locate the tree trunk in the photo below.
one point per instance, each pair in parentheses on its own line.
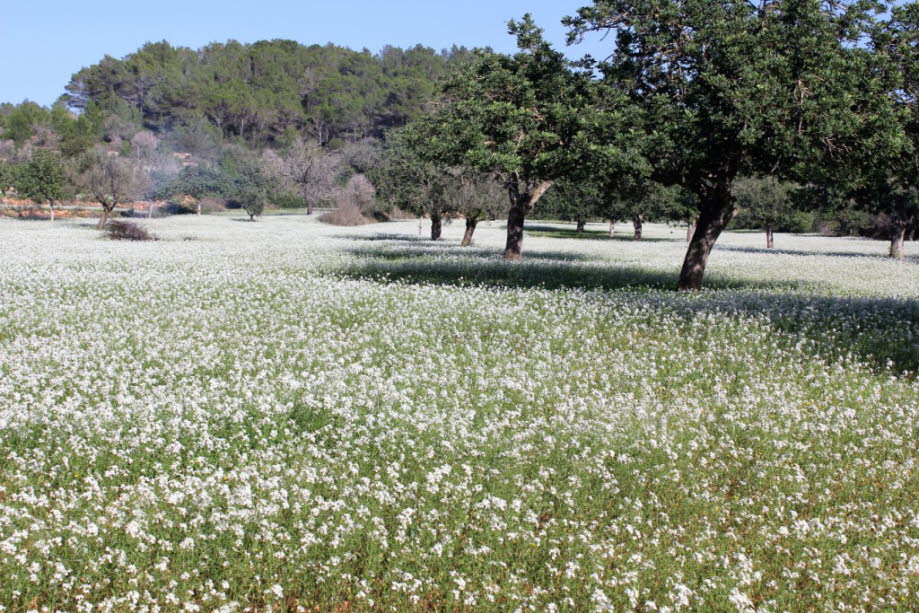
(309,207)
(690,230)
(150,210)
(581,225)
(770,239)
(612,228)
(51,204)
(522,203)
(471,223)
(717,208)
(639,224)
(897,243)
(198,209)
(104,218)
(436,227)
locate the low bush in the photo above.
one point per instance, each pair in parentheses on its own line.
(127,231)
(347,213)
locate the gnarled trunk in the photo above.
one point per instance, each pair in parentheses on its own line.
(717,208)
(690,230)
(770,239)
(105,213)
(522,203)
(897,242)
(612,228)
(639,225)
(581,225)
(436,227)
(471,223)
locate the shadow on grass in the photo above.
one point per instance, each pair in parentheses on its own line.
(401,247)
(844,254)
(443,263)
(556,232)
(882,332)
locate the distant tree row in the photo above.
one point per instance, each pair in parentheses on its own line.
(264,92)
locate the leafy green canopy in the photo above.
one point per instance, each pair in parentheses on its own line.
(42,179)
(739,87)
(527,117)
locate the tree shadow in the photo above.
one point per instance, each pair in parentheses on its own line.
(538,231)
(845,254)
(445,264)
(884,332)
(404,248)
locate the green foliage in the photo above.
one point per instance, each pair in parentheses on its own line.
(521,117)
(766,202)
(42,178)
(20,122)
(260,91)
(736,87)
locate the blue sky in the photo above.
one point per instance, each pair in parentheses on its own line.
(43,43)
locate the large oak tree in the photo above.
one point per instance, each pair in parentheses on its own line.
(738,87)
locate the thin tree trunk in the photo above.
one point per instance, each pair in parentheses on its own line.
(150,210)
(717,210)
(897,243)
(639,224)
(581,225)
(522,203)
(612,228)
(104,218)
(770,239)
(51,204)
(436,227)
(691,230)
(471,223)
(198,209)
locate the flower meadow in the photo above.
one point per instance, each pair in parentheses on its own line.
(284,415)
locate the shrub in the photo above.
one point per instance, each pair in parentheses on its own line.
(127,231)
(347,213)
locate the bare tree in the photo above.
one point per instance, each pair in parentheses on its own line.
(311,171)
(111,180)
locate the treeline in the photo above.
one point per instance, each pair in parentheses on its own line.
(217,122)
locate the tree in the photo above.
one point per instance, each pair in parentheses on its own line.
(253,200)
(110,179)
(409,179)
(475,196)
(737,87)
(893,189)
(8,174)
(42,179)
(524,118)
(311,171)
(767,202)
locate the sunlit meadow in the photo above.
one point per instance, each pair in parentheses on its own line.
(283,415)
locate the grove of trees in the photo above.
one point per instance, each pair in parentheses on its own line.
(783,110)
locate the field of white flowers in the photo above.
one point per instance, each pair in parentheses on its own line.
(283,415)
